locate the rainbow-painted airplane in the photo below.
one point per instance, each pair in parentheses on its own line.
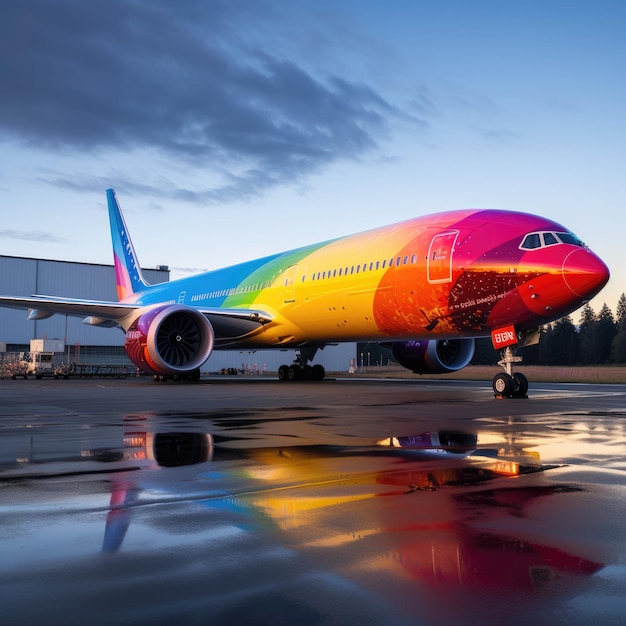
(429,286)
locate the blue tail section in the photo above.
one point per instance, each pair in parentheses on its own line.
(128,276)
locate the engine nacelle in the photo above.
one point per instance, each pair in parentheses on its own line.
(169,339)
(434,356)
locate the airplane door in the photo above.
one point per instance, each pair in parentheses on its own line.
(289,284)
(439,262)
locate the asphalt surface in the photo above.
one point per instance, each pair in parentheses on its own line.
(251,501)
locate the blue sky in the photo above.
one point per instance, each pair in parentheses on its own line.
(235,129)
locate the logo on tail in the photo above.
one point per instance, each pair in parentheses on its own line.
(128,276)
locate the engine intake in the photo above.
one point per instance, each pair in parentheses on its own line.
(169,339)
(438,356)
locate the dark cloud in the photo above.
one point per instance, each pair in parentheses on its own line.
(190,79)
(235,186)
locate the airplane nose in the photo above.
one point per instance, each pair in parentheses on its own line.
(584,273)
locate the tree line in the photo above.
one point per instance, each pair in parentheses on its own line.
(597,339)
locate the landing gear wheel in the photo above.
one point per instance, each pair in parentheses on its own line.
(318,372)
(300,368)
(503,385)
(294,372)
(521,385)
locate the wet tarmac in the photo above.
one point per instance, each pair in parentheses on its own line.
(249,501)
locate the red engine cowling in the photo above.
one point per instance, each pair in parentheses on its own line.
(438,356)
(170,339)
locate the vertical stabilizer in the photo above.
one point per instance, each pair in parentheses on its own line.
(128,276)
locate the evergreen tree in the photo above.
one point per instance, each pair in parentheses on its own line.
(564,342)
(621,310)
(618,345)
(588,348)
(485,353)
(605,331)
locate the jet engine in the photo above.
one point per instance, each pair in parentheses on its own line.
(434,356)
(170,340)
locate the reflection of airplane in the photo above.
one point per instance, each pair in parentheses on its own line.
(447,542)
(458,555)
(446,442)
(404,508)
(430,285)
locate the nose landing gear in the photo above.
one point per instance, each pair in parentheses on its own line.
(508,384)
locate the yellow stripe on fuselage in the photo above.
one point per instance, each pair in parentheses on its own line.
(329,295)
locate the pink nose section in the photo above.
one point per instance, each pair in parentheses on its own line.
(584,273)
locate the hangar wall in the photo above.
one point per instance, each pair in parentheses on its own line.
(21,276)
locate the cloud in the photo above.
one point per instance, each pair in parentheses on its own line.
(31,236)
(235,186)
(500,136)
(192,80)
(186,271)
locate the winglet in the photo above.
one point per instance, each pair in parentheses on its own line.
(128,276)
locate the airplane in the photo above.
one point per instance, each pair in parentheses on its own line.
(427,287)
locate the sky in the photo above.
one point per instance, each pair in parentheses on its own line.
(239,128)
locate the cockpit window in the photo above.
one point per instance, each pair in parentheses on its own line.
(533,241)
(549,239)
(570,238)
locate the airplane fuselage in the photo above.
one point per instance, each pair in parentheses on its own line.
(455,274)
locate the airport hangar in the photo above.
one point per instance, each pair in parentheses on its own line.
(90,345)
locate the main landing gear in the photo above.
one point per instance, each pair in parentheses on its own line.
(300,368)
(508,384)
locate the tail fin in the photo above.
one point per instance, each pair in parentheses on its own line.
(128,276)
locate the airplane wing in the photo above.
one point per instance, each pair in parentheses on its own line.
(44,306)
(227,323)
